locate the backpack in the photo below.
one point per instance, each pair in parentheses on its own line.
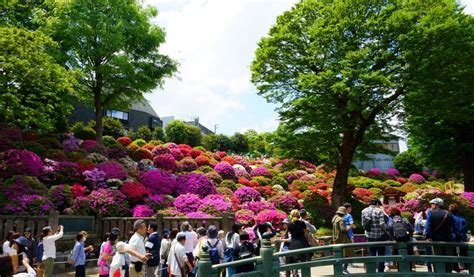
(245,251)
(400,231)
(214,253)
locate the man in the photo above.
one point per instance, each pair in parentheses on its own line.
(348,221)
(49,246)
(304,217)
(375,229)
(137,243)
(440,227)
(177,259)
(152,246)
(31,245)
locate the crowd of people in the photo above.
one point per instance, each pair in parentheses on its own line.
(147,253)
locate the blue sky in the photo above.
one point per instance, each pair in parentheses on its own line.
(214,42)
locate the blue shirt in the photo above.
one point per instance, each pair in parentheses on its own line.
(39,252)
(78,254)
(347,221)
(460,229)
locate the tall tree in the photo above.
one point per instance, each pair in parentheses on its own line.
(440,110)
(340,68)
(115,46)
(33,87)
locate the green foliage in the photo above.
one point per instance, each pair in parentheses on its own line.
(407,163)
(34,89)
(280,181)
(113,127)
(217,142)
(158,134)
(176,131)
(262,181)
(139,142)
(339,70)
(82,131)
(144,132)
(194,135)
(115,47)
(239,143)
(363,182)
(109,141)
(155,142)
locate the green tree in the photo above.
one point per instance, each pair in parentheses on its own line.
(158,134)
(219,142)
(144,132)
(33,88)
(240,143)
(340,68)
(407,163)
(210,142)
(440,110)
(115,46)
(194,136)
(112,127)
(177,132)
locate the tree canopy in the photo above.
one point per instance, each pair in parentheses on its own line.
(339,69)
(114,46)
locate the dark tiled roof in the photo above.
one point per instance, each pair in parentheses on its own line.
(144,106)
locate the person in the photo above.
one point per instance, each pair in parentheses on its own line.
(246,251)
(305,218)
(31,245)
(6,245)
(460,232)
(420,223)
(178,262)
(400,229)
(78,254)
(106,255)
(191,242)
(11,242)
(284,241)
(137,243)
(39,252)
(349,221)
(165,248)
(260,230)
(153,245)
(215,246)
(440,227)
(7,267)
(202,238)
(375,229)
(297,229)
(340,234)
(49,246)
(231,246)
(118,264)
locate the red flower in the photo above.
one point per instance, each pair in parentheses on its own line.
(135,191)
(142,153)
(195,153)
(124,141)
(78,190)
(202,160)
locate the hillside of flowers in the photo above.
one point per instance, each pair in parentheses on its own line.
(140,178)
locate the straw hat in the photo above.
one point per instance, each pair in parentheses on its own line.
(341,210)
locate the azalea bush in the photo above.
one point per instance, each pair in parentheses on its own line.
(187,203)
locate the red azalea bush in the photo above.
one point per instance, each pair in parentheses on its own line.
(142,153)
(124,141)
(275,217)
(165,161)
(20,162)
(363,195)
(176,153)
(78,190)
(194,153)
(113,170)
(203,160)
(135,192)
(89,145)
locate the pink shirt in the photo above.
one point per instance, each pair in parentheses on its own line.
(104,266)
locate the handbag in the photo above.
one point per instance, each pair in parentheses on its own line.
(70,260)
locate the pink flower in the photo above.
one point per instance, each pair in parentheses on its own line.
(393,172)
(158,181)
(261,171)
(142,211)
(275,217)
(165,161)
(225,170)
(246,194)
(113,170)
(195,183)
(187,203)
(20,162)
(198,214)
(416,178)
(245,217)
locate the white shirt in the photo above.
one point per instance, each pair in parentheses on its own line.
(6,247)
(164,245)
(118,261)
(137,243)
(234,241)
(49,245)
(191,241)
(177,251)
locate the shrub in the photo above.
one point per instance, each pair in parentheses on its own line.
(95,177)
(141,154)
(108,202)
(89,146)
(109,141)
(61,196)
(113,127)
(416,178)
(320,209)
(155,143)
(245,217)
(124,141)
(28,205)
(215,205)
(144,132)
(198,214)
(195,183)
(158,202)
(135,192)
(246,194)
(158,134)
(187,165)
(203,160)
(20,162)
(363,194)
(71,143)
(280,181)
(275,217)
(78,190)
(19,185)
(257,206)
(158,181)
(407,163)
(116,152)
(225,170)
(393,172)
(228,184)
(262,181)
(83,132)
(187,203)
(139,142)
(285,202)
(113,170)
(143,211)
(165,161)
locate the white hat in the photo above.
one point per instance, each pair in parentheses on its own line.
(121,246)
(437,202)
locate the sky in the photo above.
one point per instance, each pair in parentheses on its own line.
(214,42)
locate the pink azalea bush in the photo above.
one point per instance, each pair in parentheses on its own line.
(245,217)
(195,183)
(285,202)
(158,181)
(20,162)
(257,206)
(275,217)
(393,172)
(215,205)
(113,170)
(29,205)
(108,202)
(261,171)
(187,203)
(416,178)
(199,214)
(142,211)
(247,194)
(225,170)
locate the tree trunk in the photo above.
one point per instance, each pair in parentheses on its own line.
(340,194)
(99,113)
(467,160)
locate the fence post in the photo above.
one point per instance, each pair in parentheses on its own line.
(99,229)
(267,256)
(204,264)
(404,265)
(470,254)
(337,267)
(226,222)
(53,219)
(159,221)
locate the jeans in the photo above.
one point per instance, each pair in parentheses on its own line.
(377,251)
(48,267)
(229,257)
(80,271)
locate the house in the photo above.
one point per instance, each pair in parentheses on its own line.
(195,122)
(382,161)
(140,114)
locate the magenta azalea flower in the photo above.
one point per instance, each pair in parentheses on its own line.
(393,172)
(158,181)
(142,211)
(246,194)
(113,170)
(187,203)
(225,170)
(416,178)
(195,183)
(245,217)
(20,162)
(275,217)
(261,171)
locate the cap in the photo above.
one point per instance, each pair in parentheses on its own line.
(121,246)
(21,241)
(286,221)
(303,212)
(341,210)
(27,230)
(166,232)
(437,201)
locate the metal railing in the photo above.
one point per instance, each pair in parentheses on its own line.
(267,264)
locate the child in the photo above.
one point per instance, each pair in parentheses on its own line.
(118,264)
(246,250)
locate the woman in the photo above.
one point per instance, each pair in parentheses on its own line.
(6,247)
(284,239)
(214,244)
(78,254)
(167,239)
(107,255)
(297,230)
(190,243)
(7,268)
(340,234)
(201,232)
(232,240)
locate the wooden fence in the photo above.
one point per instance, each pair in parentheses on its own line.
(99,226)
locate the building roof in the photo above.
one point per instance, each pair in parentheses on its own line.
(143,106)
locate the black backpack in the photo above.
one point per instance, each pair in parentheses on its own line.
(245,251)
(400,231)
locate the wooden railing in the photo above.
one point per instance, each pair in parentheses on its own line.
(267,263)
